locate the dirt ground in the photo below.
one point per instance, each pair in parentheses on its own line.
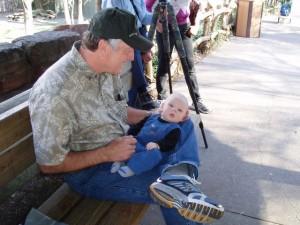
(14,209)
(10,30)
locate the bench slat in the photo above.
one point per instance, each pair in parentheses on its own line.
(15,161)
(61,203)
(14,101)
(14,125)
(125,214)
(61,207)
(89,212)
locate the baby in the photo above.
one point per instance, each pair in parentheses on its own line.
(155,135)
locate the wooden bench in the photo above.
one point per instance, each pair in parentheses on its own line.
(18,171)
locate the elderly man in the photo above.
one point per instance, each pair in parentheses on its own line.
(80,120)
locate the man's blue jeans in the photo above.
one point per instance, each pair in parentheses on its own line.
(98,182)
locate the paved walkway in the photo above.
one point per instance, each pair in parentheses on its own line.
(252,164)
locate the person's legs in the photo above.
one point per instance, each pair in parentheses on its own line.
(140,83)
(144,161)
(140,162)
(161,73)
(177,186)
(186,150)
(189,51)
(98,183)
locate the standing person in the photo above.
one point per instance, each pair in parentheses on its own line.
(137,8)
(155,136)
(80,119)
(182,12)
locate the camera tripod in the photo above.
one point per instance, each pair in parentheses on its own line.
(159,10)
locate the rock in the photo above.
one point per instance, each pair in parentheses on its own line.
(45,48)
(15,71)
(79,28)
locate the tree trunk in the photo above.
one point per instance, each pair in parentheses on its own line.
(28,19)
(67,13)
(72,11)
(80,14)
(99,3)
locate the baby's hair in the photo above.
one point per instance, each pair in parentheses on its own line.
(179,96)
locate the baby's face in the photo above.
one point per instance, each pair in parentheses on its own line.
(174,110)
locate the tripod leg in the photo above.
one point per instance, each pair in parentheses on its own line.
(183,60)
(166,43)
(153,22)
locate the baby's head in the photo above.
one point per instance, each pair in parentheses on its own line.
(175,108)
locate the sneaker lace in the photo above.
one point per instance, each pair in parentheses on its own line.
(185,177)
(193,180)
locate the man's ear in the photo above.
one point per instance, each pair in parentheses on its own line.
(102,45)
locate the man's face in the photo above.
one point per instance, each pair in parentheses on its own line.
(118,57)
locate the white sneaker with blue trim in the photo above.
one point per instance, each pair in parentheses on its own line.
(180,191)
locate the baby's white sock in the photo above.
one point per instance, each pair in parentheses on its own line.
(115,166)
(125,171)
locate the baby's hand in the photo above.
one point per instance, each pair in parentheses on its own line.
(151,145)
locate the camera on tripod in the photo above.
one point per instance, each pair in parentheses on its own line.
(162,2)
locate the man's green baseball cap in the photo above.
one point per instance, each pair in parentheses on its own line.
(115,23)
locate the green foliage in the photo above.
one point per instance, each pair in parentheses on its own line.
(155,63)
(272,7)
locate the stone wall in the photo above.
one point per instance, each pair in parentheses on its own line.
(24,60)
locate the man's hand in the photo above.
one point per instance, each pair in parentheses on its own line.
(120,149)
(159,27)
(147,56)
(159,24)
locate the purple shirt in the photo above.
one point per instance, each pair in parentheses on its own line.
(181,8)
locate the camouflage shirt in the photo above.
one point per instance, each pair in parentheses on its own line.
(74,109)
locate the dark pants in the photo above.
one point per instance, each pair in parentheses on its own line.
(162,72)
(139,79)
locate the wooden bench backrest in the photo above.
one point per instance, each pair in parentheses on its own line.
(16,143)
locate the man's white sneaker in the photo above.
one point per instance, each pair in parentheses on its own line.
(180,191)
